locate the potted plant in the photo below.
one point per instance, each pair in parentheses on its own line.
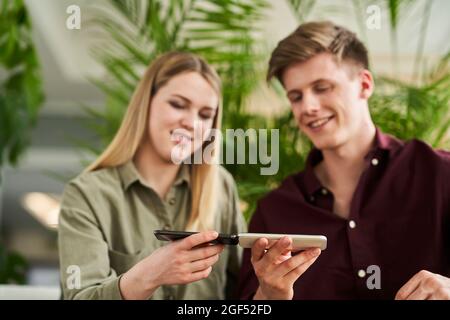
(21,96)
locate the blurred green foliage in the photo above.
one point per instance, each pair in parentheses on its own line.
(21,96)
(21,93)
(13,267)
(226,34)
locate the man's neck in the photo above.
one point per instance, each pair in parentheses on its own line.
(156,172)
(342,166)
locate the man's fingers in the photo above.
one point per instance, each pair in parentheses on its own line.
(197,239)
(425,285)
(297,265)
(259,248)
(441,294)
(409,287)
(279,249)
(419,294)
(293,275)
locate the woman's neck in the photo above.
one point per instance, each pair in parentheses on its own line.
(156,172)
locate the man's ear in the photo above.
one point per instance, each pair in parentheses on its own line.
(367,84)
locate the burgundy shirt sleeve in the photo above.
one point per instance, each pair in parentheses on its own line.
(445,156)
(248,282)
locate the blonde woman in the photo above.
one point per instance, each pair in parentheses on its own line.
(109,212)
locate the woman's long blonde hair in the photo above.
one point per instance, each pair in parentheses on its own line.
(134,126)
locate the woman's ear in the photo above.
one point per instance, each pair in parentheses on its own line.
(367,84)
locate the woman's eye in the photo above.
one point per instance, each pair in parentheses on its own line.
(176,105)
(206,116)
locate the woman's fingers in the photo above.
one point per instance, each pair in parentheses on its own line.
(197,239)
(205,252)
(199,275)
(203,263)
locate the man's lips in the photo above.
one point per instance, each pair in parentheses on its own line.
(314,124)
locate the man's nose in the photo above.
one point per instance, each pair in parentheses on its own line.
(310,104)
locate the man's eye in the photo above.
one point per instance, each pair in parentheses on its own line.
(296,98)
(322,89)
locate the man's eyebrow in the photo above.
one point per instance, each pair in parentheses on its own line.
(187,100)
(309,84)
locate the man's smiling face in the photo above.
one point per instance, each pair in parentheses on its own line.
(329,100)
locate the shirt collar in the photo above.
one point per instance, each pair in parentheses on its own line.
(385,144)
(129,175)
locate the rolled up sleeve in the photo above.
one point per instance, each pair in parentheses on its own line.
(85,270)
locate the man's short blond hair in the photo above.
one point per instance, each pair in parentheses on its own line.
(313,38)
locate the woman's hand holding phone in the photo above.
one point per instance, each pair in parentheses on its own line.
(179,262)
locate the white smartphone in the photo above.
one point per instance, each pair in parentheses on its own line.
(299,241)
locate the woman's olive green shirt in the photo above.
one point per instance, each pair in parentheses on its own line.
(106,226)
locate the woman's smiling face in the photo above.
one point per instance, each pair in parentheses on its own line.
(181,114)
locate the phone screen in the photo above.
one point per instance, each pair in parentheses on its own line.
(171,235)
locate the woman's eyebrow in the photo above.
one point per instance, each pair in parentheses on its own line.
(187,100)
(182,97)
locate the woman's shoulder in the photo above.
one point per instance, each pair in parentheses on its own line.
(92,186)
(97,180)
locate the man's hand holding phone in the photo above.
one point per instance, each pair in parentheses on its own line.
(276,268)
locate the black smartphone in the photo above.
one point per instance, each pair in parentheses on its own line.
(170,235)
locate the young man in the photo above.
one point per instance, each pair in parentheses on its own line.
(383,204)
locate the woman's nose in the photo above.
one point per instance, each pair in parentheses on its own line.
(189,121)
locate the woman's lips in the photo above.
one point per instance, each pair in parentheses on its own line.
(179,137)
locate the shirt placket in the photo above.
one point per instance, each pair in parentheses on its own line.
(176,222)
(360,251)
(170,207)
(167,224)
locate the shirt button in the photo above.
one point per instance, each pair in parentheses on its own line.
(324,191)
(172,201)
(170,297)
(311,198)
(166,227)
(352,224)
(361,273)
(375,161)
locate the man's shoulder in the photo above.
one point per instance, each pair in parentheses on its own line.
(420,150)
(415,149)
